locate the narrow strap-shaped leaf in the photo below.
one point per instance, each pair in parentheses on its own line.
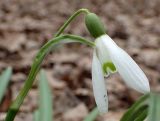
(142,115)
(92,115)
(141,101)
(45,104)
(137,113)
(4,80)
(154,108)
(36,116)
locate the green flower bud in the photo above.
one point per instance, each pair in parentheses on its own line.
(94,25)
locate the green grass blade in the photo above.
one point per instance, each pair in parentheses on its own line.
(45,106)
(4,80)
(92,115)
(154,108)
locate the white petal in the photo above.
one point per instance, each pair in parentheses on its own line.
(107,41)
(99,88)
(103,56)
(127,67)
(101,51)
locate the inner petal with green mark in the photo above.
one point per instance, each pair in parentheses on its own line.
(108,68)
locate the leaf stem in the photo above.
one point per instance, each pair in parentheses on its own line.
(13,109)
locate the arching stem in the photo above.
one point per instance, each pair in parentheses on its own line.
(70,19)
(36,66)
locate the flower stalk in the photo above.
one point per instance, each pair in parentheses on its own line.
(86,11)
(13,109)
(36,67)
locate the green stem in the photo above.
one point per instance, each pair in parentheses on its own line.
(70,19)
(13,109)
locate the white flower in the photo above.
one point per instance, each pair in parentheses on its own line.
(109,58)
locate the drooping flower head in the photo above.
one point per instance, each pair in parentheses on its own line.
(109,58)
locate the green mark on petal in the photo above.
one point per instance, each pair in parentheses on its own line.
(108,67)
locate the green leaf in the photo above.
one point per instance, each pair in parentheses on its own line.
(45,106)
(136,107)
(36,115)
(142,115)
(92,115)
(154,108)
(4,80)
(138,114)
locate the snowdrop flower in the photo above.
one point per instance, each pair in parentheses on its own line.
(109,58)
